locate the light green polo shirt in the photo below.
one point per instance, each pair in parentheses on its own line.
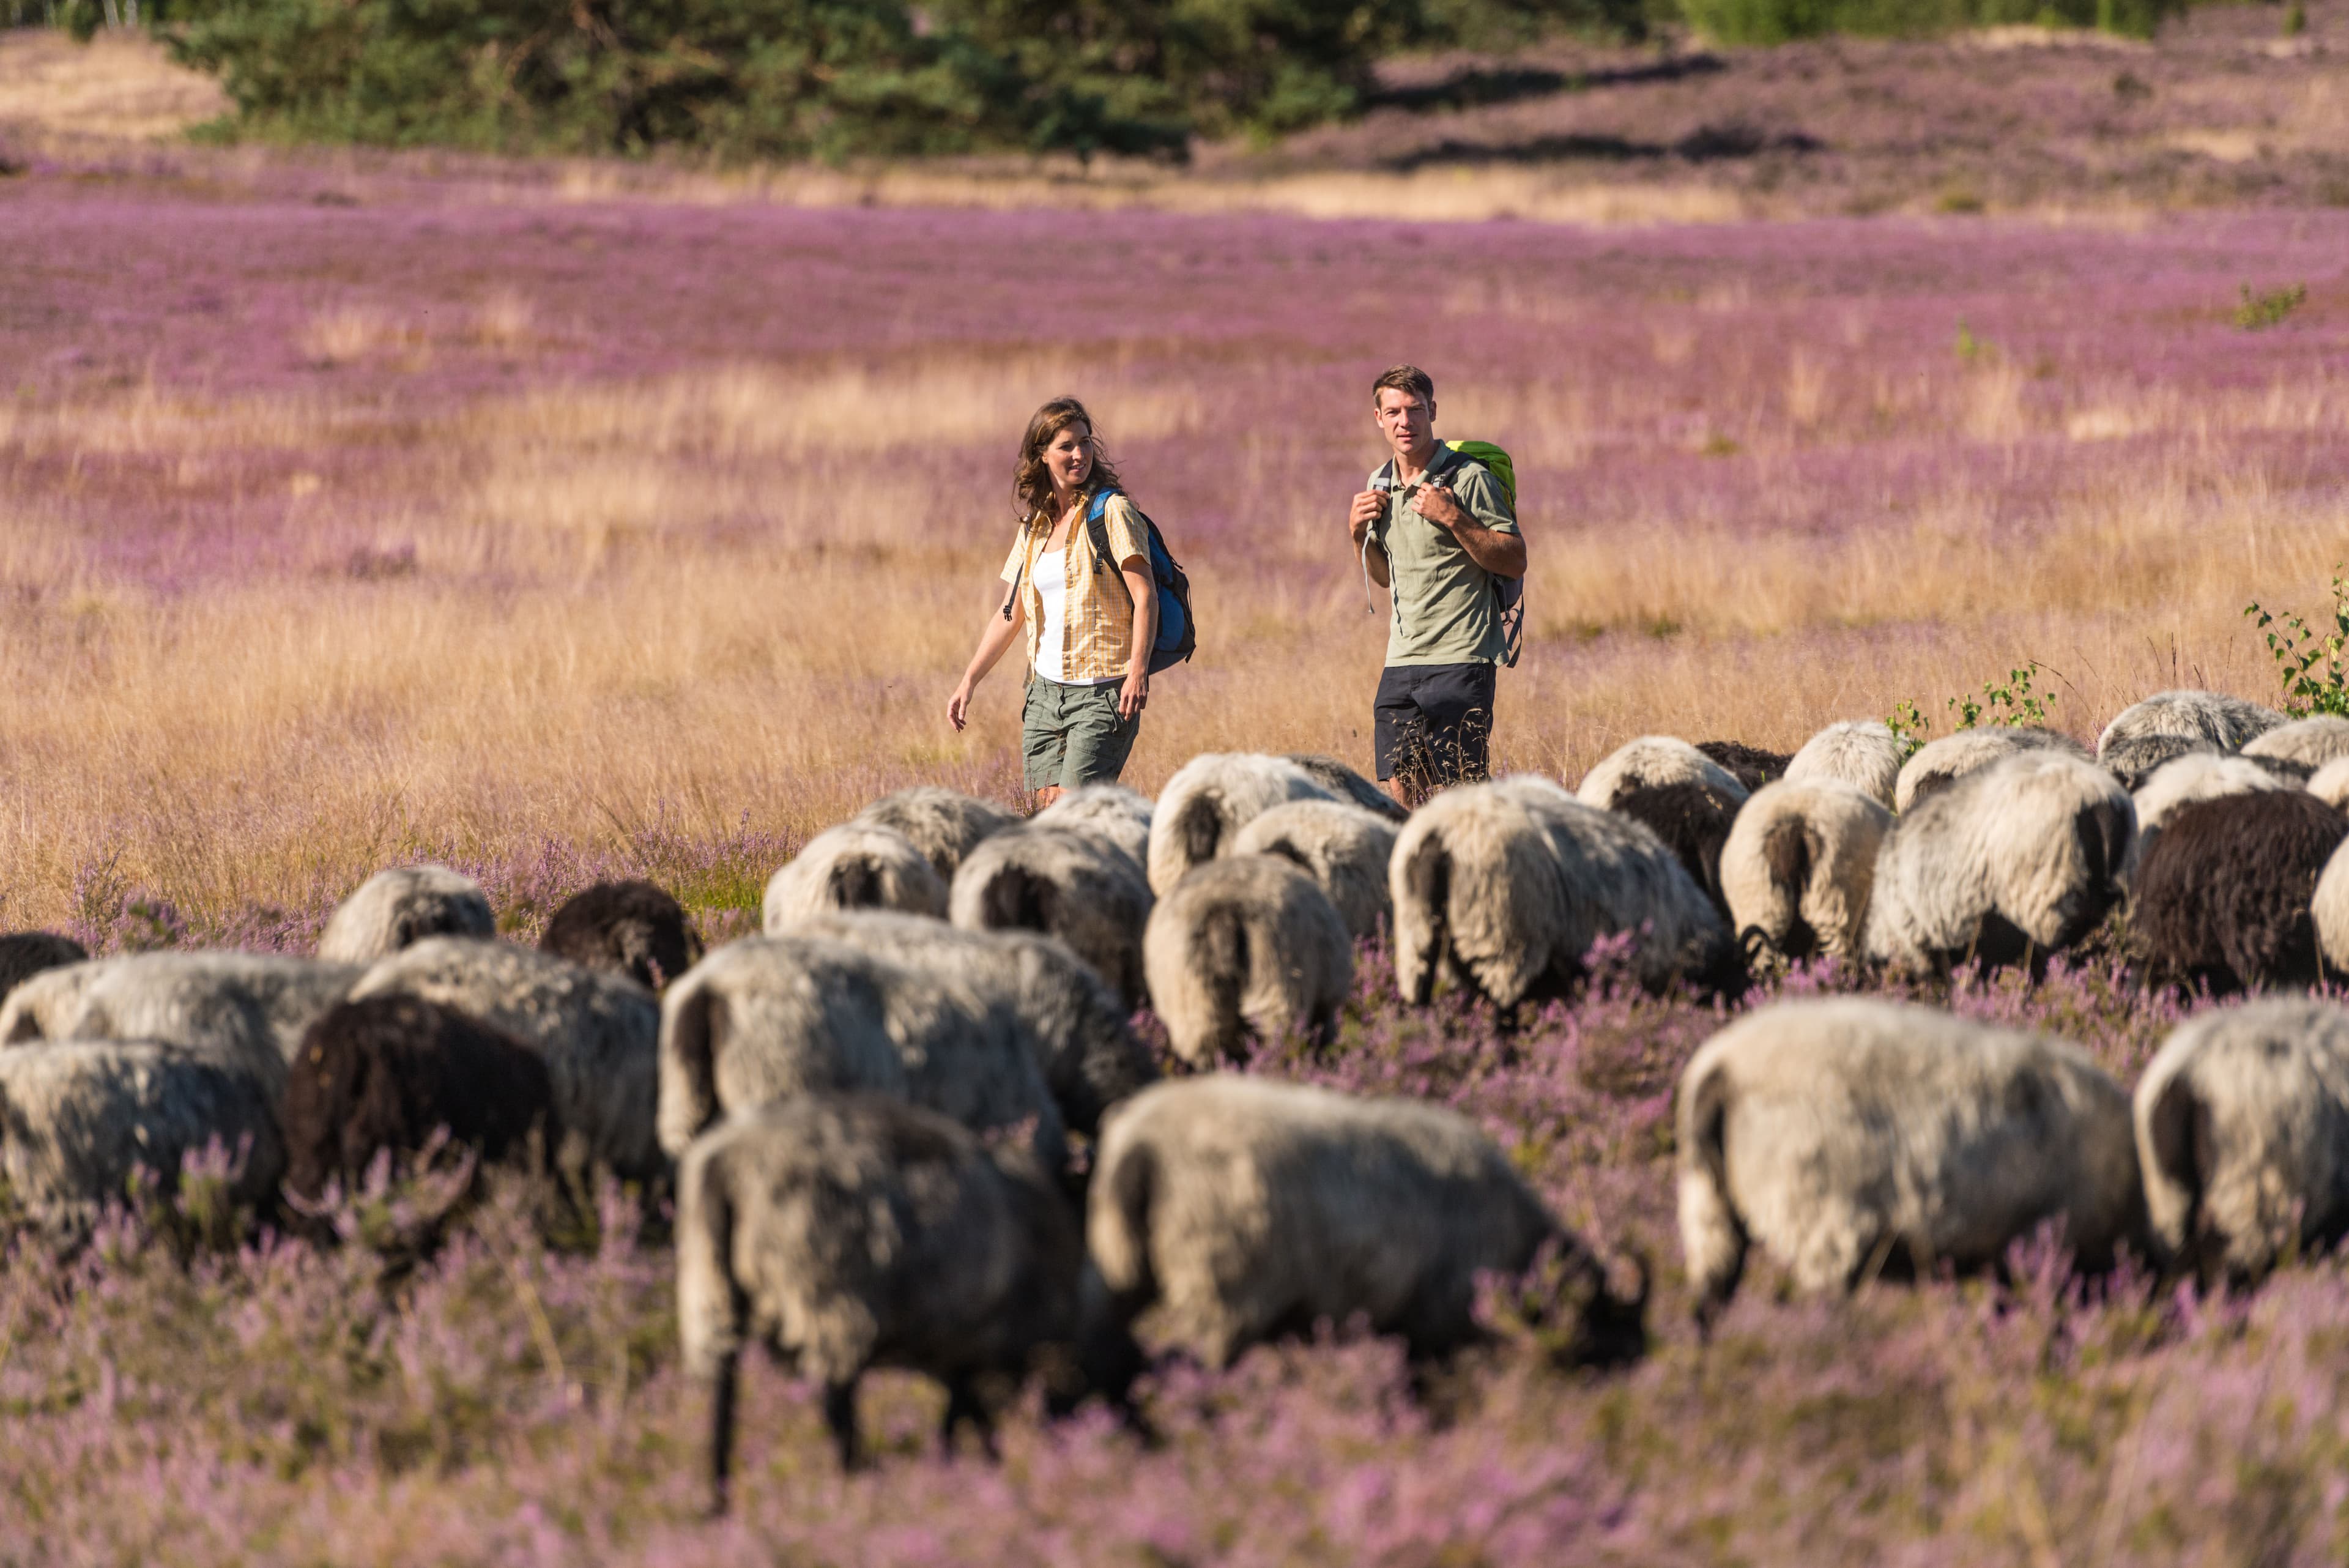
(1445,610)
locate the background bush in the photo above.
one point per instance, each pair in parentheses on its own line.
(1777,21)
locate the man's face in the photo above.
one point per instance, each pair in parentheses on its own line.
(1407,422)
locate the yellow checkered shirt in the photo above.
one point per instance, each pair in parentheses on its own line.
(1098,642)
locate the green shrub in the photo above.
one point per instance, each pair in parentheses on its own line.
(1778,21)
(2309,661)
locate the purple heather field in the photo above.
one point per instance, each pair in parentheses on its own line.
(1789,473)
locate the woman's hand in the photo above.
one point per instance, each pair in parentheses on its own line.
(1133,694)
(959,706)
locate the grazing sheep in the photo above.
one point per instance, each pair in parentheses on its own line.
(2225,895)
(1939,763)
(23,954)
(1210,798)
(2018,859)
(632,928)
(1066,882)
(1751,766)
(2329,909)
(2311,743)
(402,906)
(1692,819)
(1342,848)
(854,867)
(1851,1138)
(2227,724)
(1246,945)
(1862,752)
(849,1232)
(1252,1209)
(945,825)
(769,1017)
(2242,1133)
(1798,867)
(599,1033)
(2137,758)
(1347,784)
(1649,762)
(389,1071)
(2180,783)
(1504,886)
(39,1006)
(1118,814)
(2330,783)
(78,1118)
(1082,1034)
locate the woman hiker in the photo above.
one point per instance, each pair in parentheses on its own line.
(1091,617)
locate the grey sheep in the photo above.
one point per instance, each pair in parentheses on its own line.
(2328,910)
(1852,1137)
(39,1006)
(1861,752)
(1245,1208)
(2311,742)
(78,1118)
(599,1031)
(2134,759)
(1066,882)
(1246,946)
(1504,886)
(1209,799)
(1081,1032)
(1342,848)
(850,1231)
(854,867)
(2242,1133)
(945,825)
(406,904)
(2019,859)
(2183,780)
(1649,762)
(1347,784)
(1118,814)
(2227,724)
(769,1017)
(1799,866)
(1937,764)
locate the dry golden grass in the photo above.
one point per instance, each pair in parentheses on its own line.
(115,85)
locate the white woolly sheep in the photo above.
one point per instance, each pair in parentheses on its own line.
(2196,776)
(1348,785)
(1504,886)
(1937,764)
(78,1118)
(2018,859)
(1251,1207)
(2227,723)
(2311,742)
(1212,797)
(1799,866)
(403,905)
(40,1006)
(1118,814)
(854,867)
(854,1232)
(1651,762)
(1861,752)
(599,1031)
(945,825)
(1067,881)
(2242,1133)
(2330,783)
(1342,848)
(1085,1039)
(1246,945)
(768,1017)
(1851,1138)
(2329,910)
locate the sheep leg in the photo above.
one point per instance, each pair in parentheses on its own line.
(963,1404)
(721,1431)
(840,1415)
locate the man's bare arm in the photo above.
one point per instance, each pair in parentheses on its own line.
(1503,554)
(1369,508)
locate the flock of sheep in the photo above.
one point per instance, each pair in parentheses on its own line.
(868,1111)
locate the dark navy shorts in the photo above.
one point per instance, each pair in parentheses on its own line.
(1434,723)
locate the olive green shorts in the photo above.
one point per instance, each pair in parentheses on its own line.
(1071,735)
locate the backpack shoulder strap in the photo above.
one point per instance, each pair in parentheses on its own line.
(1097,525)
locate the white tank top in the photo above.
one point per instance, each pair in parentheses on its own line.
(1053,634)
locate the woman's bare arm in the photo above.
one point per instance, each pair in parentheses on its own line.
(1000,631)
(1144,589)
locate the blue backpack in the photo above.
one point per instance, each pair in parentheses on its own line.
(1178,632)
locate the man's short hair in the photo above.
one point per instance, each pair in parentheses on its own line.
(1405,378)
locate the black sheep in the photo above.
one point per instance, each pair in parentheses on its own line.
(1692,818)
(2223,896)
(23,954)
(385,1072)
(626,928)
(1749,765)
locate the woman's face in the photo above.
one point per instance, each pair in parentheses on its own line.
(1069,456)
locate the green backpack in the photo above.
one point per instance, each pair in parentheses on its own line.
(1509,593)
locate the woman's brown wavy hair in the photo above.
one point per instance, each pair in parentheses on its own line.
(1030,484)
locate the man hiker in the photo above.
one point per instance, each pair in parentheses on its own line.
(1436,529)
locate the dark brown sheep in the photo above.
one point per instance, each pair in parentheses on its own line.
(385,1072)
(23,954)
(1749,765)
(2224,894)
(624,928)
(1694,820)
